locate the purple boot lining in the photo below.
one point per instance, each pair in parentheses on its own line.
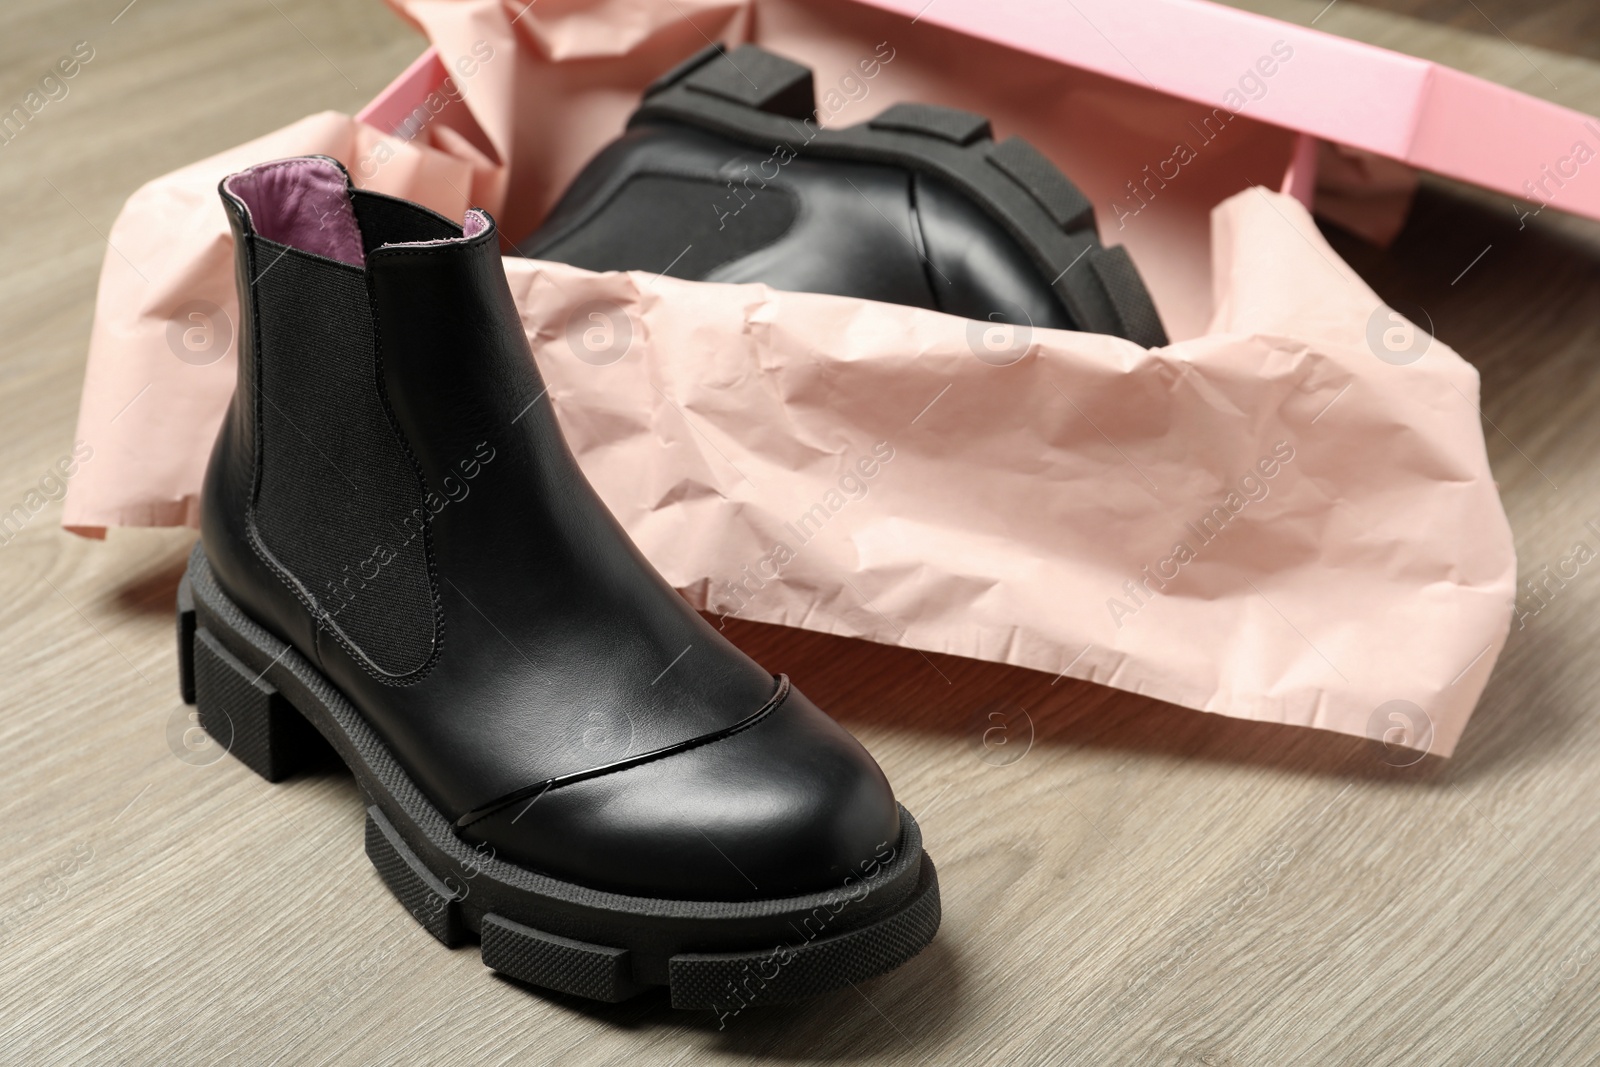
(305,204)
(301,203)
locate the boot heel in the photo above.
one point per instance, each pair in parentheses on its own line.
(430,901)
(186,639)
(243,712)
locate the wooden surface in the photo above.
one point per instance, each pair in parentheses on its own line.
(1125,883)
(1562,25)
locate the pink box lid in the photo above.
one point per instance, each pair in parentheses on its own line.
(1412,110)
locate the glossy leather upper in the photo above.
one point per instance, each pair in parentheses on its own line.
(787,806)
(867,230)
(561,650)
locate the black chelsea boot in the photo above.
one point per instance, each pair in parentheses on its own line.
(559,757)
(725,175)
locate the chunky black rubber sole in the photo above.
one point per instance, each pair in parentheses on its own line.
(265,702)
(760,99)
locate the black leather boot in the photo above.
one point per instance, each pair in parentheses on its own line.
(399,555)
(725,175)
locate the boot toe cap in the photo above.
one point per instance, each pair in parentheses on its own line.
(790,805)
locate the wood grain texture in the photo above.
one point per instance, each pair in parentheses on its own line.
(1561,25)
(1558,67)
(1125,882)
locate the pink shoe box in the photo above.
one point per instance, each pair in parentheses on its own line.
(1341,92)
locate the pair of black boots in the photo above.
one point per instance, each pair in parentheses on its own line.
(400,557)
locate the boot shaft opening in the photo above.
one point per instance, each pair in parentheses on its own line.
(304,204)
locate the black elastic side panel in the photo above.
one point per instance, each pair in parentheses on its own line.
(339,504)
(1121,281)
(385,220)
(691,225)
(756,78)
(945,123)
(1027,166)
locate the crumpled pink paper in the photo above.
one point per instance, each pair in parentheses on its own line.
(1263,519)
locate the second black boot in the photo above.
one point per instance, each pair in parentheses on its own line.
(725,174)
(400,557)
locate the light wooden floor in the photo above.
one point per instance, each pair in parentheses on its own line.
(1144,885)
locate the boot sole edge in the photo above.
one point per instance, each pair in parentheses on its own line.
(271,709)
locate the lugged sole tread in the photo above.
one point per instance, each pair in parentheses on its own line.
(253,718)
(754,97)
(435,905)
(598,972)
